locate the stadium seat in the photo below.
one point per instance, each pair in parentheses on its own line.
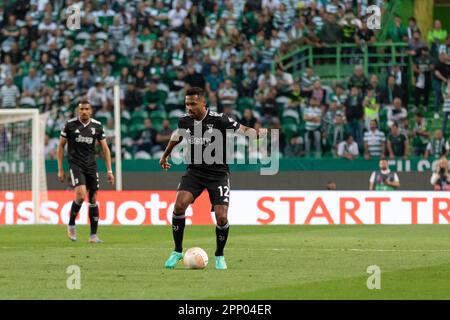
(102,119)
(245,103)
(157,117)
(139,116)
(135,129)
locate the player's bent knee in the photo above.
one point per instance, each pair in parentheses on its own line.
(92,197)
(222,220)
(80,196)
(180,207)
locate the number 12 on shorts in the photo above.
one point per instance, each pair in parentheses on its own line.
(226,193)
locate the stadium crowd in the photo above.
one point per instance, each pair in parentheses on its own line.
(157,49)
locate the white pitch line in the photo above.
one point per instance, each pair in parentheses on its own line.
(246,249)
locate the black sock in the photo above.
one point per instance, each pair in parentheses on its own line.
(178,223)
(221,238)
(74,212)
(93,218)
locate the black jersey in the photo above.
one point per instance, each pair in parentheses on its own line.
(201,135)
(81,141)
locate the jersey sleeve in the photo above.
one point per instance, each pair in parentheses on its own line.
(228,123)
(100,133)
(65,131)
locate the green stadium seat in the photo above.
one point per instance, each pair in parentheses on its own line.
(135,129)
(158,115)
(124,129)
(139,116)
(245,103)
(102,119)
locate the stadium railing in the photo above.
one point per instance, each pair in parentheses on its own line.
(336,62)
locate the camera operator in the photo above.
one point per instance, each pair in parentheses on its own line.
(384,179)
(441,177)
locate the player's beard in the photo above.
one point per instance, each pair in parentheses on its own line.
(84,118)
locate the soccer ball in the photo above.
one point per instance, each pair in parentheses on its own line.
(195,258)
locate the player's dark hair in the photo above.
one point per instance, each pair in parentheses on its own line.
(195,91)
(84,102)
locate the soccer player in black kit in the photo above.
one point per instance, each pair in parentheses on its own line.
(202,174)
(80,134)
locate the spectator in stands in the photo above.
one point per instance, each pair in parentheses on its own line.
(248,118)
(176,16)
(228,95)
(214,79)
(31,84)
(163,135)
(9,94)
(419,135)
(445,50)
(397,31)
(446,106)
(319,93)
(397,144)
(298,33)
(438,146)
(402,80)
(312,115)
(331,32)
(295,147)
(397,114)
(374,142)
(358,79)
(284,82)
(194,78)
(133,98)
(249,84)
(412,27)
(441,74)
(96,95)
(331,185)
(154,99)
(436,37)
(338,95)
(354,113)
(348,148)
(440,178)
(371,107)
(390,92)
(422,70)
(384,179)
(377,88)
(415,45)
(333,129)
(307,81)
(146,142)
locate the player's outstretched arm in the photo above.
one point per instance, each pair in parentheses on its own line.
(174,140)
(107,157)
(252,133)
(60,158)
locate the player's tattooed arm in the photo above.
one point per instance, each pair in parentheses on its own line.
(60,158)
(252,133)
(107,158)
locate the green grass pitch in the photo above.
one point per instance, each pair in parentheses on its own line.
(265,262)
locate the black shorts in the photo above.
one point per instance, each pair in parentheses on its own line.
(218,189)
(86,177)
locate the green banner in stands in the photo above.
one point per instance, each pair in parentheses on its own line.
(286,164)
